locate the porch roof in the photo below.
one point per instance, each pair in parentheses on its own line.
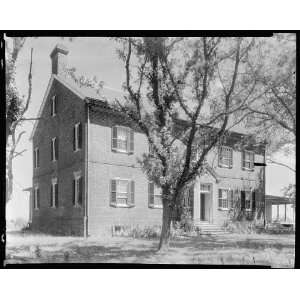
(271,199)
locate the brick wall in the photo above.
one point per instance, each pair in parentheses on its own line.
(70,110)
(104,165)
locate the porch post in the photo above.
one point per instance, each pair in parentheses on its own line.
(196,210)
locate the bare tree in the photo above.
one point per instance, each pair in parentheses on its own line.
(15,112)
(194,79)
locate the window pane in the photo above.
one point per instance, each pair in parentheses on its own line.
(122,134)
(205,187)
(224,194)
(122,186)
(157,200)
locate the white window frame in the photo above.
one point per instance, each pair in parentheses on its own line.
(128,130)
(54,158)
(118,204)
(35,206)
(127,193)
(53,106)
(157,193)
(36,162)
(244,160)
(77,176)
(250,193)
(77,137)
(220,158)
(205,191)
(53,183)
(228,191)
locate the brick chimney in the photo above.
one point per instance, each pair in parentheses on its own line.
(59,59)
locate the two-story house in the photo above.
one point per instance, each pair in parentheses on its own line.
(86,177)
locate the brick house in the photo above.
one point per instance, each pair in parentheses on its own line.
(86,177)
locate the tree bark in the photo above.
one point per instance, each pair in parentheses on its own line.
(9,178)
(168,209)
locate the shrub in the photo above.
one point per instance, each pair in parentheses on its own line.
(149,232)
(244,226)
(186,221)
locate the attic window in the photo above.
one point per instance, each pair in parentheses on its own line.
(53,106)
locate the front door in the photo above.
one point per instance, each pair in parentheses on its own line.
(202,207)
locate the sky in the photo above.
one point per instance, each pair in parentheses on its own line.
(90,56)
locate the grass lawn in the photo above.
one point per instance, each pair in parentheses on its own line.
(260,249)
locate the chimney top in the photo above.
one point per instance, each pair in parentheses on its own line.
(59,48)
(59,59)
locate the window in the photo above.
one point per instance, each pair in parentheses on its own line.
(54,193)
(248,160)
(122,139)
(77,189)
(77,137)
(225,157)
(204,188)
(223,199)
(154,196)
(36,198)
(248,200)
(54,149)
(122,192)
(53,106)
(36,157)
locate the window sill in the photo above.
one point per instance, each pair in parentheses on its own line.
(223,209)
(249,170)
(225,166)
(156,206)
(122,151)
(121,205)
(77,206)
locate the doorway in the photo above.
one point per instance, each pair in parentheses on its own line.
(202,207)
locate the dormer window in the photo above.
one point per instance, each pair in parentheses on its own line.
(53,106)
(122,139)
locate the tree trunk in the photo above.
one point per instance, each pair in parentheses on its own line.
(168,209)
(9,178)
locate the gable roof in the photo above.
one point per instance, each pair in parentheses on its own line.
(208,169)
(106,97)
(279,199)
(82,92)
